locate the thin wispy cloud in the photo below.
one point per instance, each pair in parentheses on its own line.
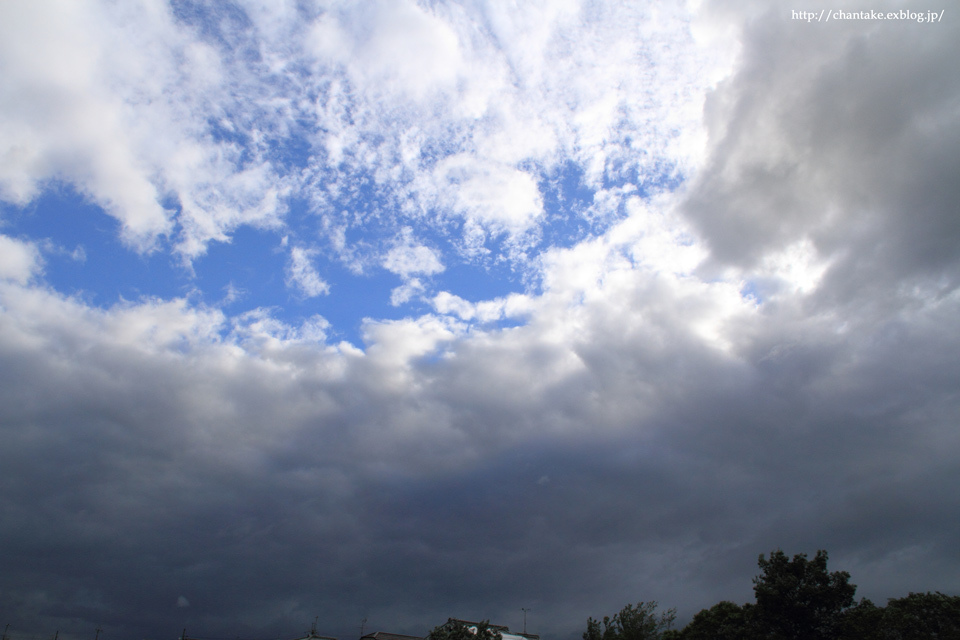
(303,275)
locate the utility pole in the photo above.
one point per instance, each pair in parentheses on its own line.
(524,609)
(97,637)
(363,623)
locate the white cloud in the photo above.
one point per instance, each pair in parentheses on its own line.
(513,306)
(116,100)
(448,303)
(61,119)
(402,49)
(408,258)
(490,194)
(77,254)
(624,103)
(303,275)
(394,345)
(232,293)
(797,266)
(260,332)
(405,292)
(19,261)
(182,136)
(216,196)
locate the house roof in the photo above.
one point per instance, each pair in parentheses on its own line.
(313,635)
(384,635)
(502,629)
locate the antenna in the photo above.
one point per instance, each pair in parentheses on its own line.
(362,625)
(524,609)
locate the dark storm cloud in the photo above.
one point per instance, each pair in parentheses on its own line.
(137,477)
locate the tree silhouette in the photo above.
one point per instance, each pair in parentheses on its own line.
(799,599)
(639,622)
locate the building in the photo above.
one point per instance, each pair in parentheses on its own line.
(384,635)
(502,629)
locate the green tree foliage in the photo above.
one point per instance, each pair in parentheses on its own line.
(723,621)
(921,616)
(639,622)
(862,620)
(799,599)
(458,630)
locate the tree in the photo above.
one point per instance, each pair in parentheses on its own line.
(862,621)
(723,621)
(458,630)
(638,622)
(921,616)
(799,599)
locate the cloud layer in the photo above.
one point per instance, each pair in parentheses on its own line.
(738,235)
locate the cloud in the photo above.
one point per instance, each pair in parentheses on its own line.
(407,258)
(513,306)
(487,194)
(262,451)
(404,48)
(59,120)
(405,292)
(117,103)
(303,275)
(182,124)
(19,261)
(479,153)
(840,157)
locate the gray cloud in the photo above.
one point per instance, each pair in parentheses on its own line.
(844,132)
(264,493)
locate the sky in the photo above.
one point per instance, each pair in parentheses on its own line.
(379,313)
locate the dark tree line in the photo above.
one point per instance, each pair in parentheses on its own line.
(796,599)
